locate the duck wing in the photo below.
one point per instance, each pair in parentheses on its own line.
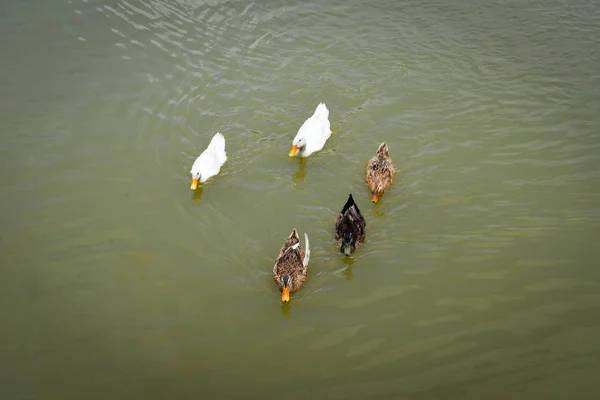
(351,220)
(290,241)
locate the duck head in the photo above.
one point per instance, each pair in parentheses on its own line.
(286,283)
(377,190)
(297,144)
(195,179)
(347,246)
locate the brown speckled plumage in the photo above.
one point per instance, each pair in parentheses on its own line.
(380,171)
(292,261)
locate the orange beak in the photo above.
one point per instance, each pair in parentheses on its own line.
(293,151)
(285,294)
(194,184)
(375,198)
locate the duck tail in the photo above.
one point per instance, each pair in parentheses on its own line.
(349,204)
(321,112)
(217,145)
(383,150)
(294,236)
(306,251)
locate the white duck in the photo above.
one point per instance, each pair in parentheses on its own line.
(210,161)
(313,133)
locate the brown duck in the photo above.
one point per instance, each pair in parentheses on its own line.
(350,227)
(380,172)
(289,271)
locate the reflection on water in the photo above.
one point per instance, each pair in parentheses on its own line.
(300,174)
(197,194)
(377,209)
(285,307)
(348,271)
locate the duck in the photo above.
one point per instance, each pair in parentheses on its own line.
(289,271)
(209,163)
(380,172)
(313,133)
(350,227)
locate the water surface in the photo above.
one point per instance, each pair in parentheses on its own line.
(479,277)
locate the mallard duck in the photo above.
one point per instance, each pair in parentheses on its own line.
(350,227)
(210,161)
(313,133)
(289,271)
(380,172)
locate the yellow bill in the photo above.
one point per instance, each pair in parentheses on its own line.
(293,151)
(194,184)
(285,295)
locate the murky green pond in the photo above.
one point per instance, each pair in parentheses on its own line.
(479,278)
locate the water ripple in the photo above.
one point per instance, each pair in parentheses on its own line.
(477,275)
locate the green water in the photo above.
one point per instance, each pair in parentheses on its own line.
(479,278)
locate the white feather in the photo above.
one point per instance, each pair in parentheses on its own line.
(315,131)
(209,163)
(306,250)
